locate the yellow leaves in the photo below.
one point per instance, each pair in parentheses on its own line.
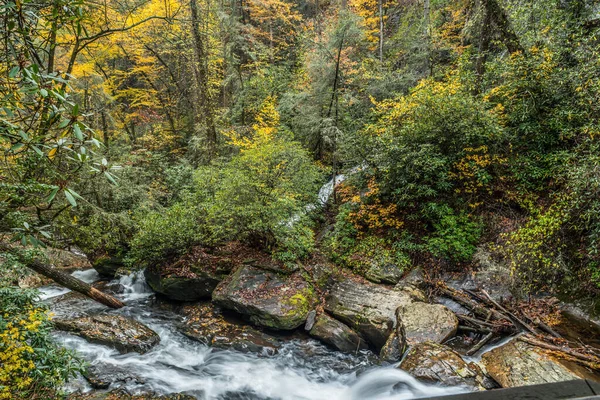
(265,127)
(15,353)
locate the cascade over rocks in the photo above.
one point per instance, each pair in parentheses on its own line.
(266,298)
(436,363)
(207,325)
(370,310)
(518,364)
(124,334)
(336,334)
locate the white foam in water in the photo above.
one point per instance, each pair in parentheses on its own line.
(135,286)
(88,275)
(301,370)
(50,291)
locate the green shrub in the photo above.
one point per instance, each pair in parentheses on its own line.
(455,235)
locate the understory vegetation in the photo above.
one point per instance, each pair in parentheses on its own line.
(136,130)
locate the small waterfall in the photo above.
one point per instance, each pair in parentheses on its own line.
(134,286)
(88,275)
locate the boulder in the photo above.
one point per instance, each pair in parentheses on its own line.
(207,325)
(102,376)
(336,334)
(124,334)
(518,364)
(367,308)
(385,273)
(266,298)
(426,322)
(191,278)
(436,363)
(370,310)
(107,265)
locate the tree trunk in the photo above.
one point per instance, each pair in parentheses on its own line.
(380,31)
(427,36)
(67,280)
(201,73)
(75,284)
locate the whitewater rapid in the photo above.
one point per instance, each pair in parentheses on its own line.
(303,369)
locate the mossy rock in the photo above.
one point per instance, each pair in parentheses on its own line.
(124,334)
(106,265)
(266,298)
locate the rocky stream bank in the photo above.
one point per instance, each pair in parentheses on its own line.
(210,324)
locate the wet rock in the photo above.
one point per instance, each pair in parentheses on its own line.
(518,364)
(367,308)
(124,334)
(266,298)
(107,265)
(310,320)
(102,376)
(386,273)
(191,278)
(436,363)
(414,278)
(426,322)
(394,348)
(72,305)
(370,310)
(337,334)
(122,394)
(207,325)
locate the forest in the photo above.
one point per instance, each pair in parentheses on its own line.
(284,159)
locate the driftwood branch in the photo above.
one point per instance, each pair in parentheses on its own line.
(595,361)
(480,344)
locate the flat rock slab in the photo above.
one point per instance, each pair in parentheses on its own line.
(266,298)
(424,322)
(336,334)
(370,310)
(519,364)
(436,363)
(124,334)
(206,325)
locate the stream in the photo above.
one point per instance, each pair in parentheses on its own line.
(302,369)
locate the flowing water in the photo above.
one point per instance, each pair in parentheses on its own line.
(303,369)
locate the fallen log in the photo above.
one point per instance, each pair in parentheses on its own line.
(66,280)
